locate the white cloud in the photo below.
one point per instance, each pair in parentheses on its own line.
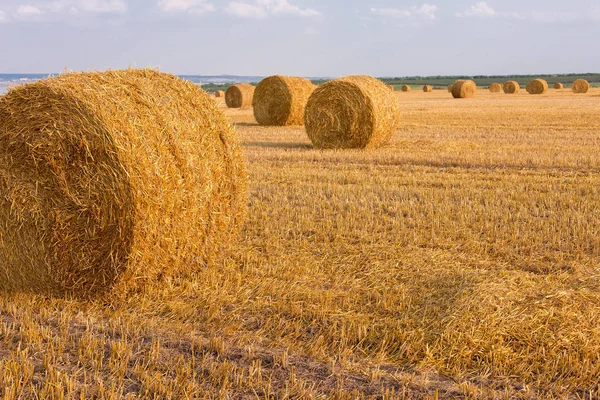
(28,11)
(3,17)
(481,9)
(426,11)
(264,8)
(192,6)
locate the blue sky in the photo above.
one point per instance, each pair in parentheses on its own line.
(302,37)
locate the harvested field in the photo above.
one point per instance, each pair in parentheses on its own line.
(461,261)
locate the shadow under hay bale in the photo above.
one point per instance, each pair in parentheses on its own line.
(113,180)
(512,87)
(537,86)
(351,112)
(464,89)
(239,96)
(280,100)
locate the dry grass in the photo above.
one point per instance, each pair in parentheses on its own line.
(459,262)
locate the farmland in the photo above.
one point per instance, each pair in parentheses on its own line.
(462,260)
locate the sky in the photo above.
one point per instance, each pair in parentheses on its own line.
(314,38)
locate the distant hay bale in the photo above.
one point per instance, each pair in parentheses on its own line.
(391,87)
(427,88)
(581,86)
(219,93)
(512,87)
(112,180)
(406,88)
(280,100)
(449,88)
(239,96)
(537,86)
(351,112)
(496,87)
(558,85)
(464,89)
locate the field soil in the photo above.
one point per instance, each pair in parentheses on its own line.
(460,261)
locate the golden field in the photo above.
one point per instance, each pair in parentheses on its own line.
(461,261)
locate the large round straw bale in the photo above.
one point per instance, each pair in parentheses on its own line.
(581,86)
(496,87)
(351,112)
(391,87)
(280,100)
(113,180)
(558,85)
(240,95)
(219,93)
(512,87)
(464,89)
(427,88)
(406,88)
(537,86)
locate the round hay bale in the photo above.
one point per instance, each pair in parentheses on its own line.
(391,87)
(351,112)
(464,89)
(537,86)
(239,96)
(427,88)
(581,86)
(512,87)
(558,86)
(219,93)
(496,87)
(280,100)
(406,88)
(114,180)
(449,88)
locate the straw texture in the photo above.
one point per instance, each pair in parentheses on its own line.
(280,100)
(114,179)
(537,86)
(239,96)
(496,87)
(464,89)
(512,87)
(581,86)
(351,112)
